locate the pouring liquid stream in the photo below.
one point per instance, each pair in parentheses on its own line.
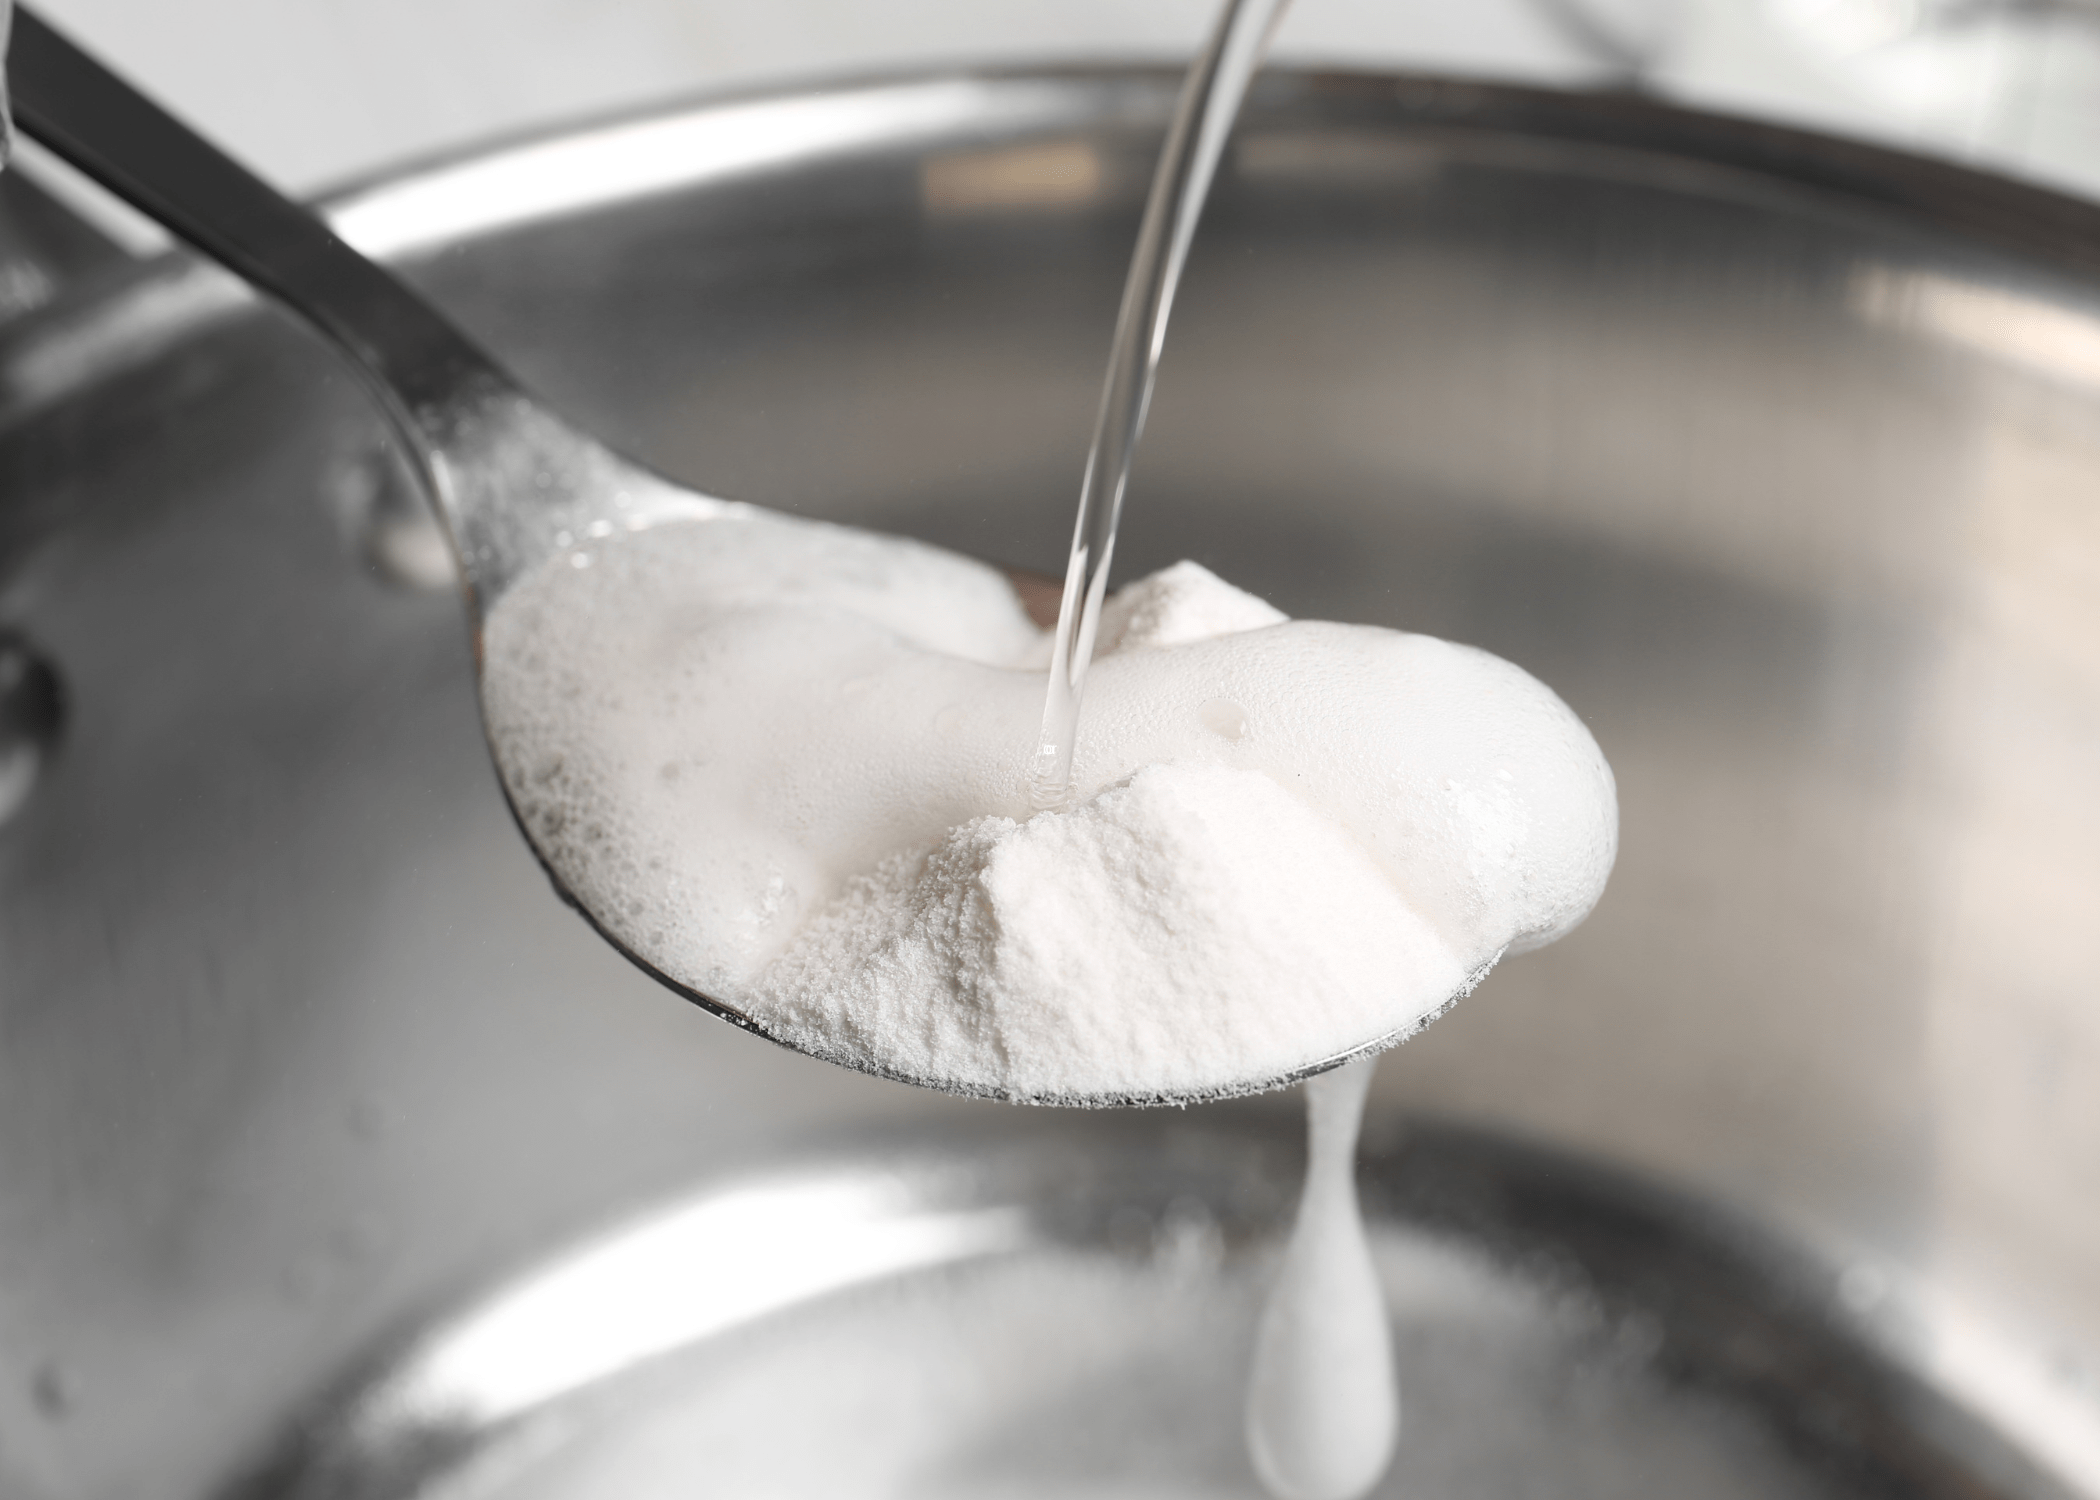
(1203,118)
(1322,1413)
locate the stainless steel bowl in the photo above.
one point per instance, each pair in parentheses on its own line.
(337,1158)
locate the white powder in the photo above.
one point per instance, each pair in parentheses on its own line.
(1176,606)
(1083,946)
(784,763)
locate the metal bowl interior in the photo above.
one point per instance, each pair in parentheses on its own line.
(1068,1313)
(1771,454)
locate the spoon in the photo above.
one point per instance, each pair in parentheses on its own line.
(511,480)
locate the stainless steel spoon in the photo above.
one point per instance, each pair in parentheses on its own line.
(513,481)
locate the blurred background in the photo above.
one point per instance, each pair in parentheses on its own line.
(317,92)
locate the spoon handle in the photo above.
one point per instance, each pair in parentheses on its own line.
(424,370)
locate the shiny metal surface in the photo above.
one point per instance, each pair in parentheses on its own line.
(1774,456)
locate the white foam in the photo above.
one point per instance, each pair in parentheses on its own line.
(784,763)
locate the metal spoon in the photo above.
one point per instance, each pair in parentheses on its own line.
(509,477)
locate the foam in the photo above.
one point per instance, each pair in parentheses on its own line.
(784,763)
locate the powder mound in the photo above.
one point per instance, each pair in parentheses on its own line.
(1179,604)
(784,764)
(1192,928)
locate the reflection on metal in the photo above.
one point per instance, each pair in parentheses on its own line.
(1052,176)
(1113,1348)
(31,717)
(68,352)
(623,163)
(2050,1400)
(1356,158)
(111,217)
(2047,338)
(7,123)
(724,1261)
(1624,38)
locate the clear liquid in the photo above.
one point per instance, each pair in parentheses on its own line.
(1210,101)
(1322,1400)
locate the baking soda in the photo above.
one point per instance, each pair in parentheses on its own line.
(784,763)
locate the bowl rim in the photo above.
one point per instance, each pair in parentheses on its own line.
(116,320)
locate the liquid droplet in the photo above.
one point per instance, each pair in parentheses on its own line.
(1323,1406)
